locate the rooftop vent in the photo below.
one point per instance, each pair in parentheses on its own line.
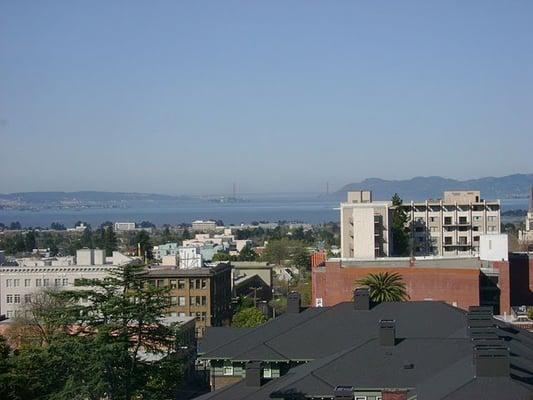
(361,298)
(491,360)
(253,374)
(343,393)
(483,333)
(294,303)
(479,317)
(387,332)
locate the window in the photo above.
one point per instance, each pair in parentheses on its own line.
(38,282)
(197,284)
(9,282)
(27,298)
(181,283)
(65,281)
(227,369)
(204,300)
(9,299)
(204,283)
(198,316)
(463,220)
(174,300)
(447,220)
(27,282)
(360,397)
(9,313)
(16,299)
(448,240)
(16,282)
(46,282)
(173,284)
(181,300)
(160,283)
(267,371)
(491,218)
(57,282)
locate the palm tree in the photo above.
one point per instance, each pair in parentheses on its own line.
(385,286)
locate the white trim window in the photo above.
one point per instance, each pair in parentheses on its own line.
(227,369)
(267,370)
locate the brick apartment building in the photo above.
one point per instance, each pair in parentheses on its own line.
(204,293)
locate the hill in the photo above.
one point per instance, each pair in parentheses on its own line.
(421,188)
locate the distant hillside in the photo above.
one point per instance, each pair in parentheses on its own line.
(420,188)
(85,196)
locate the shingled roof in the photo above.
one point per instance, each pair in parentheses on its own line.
(433,356)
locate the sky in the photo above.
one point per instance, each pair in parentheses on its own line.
(188,97)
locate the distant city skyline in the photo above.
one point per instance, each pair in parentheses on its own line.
(188,98)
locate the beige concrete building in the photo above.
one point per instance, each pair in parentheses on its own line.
(453,225)
(365,232)
(450,226)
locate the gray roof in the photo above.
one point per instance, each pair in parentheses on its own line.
(318,332)
(433,356)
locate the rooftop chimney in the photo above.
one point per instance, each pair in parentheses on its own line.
(361,298)
(253,374)
(343,393)
(491,360)
(387,332)
(293,303)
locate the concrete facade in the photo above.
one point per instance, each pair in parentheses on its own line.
(452,226)
(365,232)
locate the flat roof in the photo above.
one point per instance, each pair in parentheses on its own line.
(467,262)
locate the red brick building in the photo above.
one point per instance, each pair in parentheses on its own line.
(461,281)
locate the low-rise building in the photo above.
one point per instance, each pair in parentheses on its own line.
(252,279)
(359,350)
(203,293)
(204,226)
(124,226)
(19,282)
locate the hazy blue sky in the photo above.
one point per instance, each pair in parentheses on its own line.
(189,96)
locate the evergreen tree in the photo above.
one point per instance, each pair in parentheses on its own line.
(400,236)
(92,349)
(247,254)
(30,242)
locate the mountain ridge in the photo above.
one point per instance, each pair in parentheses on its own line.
(426,187)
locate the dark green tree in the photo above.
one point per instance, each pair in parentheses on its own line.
(92,349)
(247,254)
(30,241)
(277,251)
(109,240)
(400,235)
(385,287)
(86,239)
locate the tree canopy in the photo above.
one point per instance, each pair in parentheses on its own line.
(88,343)
(248,318)
(385,287)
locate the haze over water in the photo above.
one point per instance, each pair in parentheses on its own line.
(307,210)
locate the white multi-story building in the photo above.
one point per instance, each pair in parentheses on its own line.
(124,226)
(453,225)
(204,226)
(450,226)
(365,232)
(18,283)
